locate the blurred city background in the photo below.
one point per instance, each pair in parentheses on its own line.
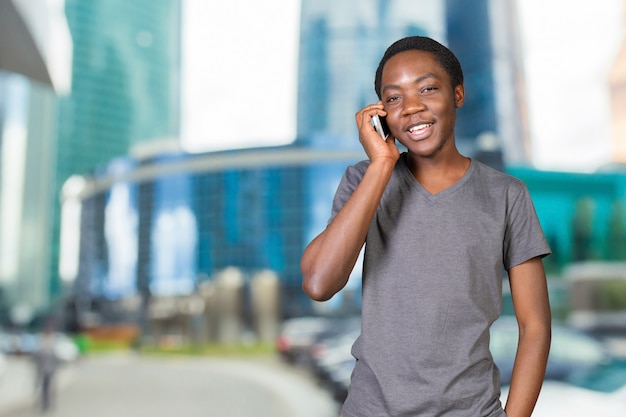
(164,164)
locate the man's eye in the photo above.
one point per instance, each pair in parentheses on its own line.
(429,89)
(392,98)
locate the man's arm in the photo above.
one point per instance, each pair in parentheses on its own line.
(328,260)
(532,309)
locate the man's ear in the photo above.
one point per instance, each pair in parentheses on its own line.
(459,95)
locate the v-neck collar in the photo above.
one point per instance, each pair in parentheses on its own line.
(408,176)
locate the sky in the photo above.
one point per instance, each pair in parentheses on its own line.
(568,47)
(253,98)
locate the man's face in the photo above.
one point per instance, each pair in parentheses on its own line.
(420,102)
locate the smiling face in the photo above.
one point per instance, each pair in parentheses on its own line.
(420,102)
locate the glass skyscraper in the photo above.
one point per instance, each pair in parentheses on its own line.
(125,86)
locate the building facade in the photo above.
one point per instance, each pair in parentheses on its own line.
(126,59)
(34,70)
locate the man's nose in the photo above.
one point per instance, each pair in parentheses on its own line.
(413,104)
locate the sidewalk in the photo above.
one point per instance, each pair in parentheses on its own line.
(17,384)
(138,385)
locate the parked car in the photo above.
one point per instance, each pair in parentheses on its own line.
(333,350)
(331,361)
(301,339)
(582,377)
(297,336)
(338,380)
(570,351)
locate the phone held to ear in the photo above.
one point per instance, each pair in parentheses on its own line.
(380,125)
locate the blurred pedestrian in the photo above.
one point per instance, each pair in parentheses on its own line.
(46,365)
(439,229)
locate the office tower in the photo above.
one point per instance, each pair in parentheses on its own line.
(26,169)
(485,36)
(124,96)
(34,69)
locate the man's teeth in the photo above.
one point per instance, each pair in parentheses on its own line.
(419,127)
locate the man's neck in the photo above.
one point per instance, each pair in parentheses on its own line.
(438,173)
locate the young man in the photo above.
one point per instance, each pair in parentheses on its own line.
(438,230)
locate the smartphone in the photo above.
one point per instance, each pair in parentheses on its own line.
(380,125)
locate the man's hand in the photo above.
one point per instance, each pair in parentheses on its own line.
(375,146)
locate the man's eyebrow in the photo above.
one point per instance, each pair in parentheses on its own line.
(416,81)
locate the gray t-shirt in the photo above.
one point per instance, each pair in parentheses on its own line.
(432,287)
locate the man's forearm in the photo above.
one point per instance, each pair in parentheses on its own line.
(327,262)
(528,371)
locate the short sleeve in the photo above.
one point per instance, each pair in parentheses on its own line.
(350,180)
(524,238)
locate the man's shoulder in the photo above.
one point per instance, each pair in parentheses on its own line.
(496,177)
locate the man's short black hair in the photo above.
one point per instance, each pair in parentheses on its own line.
(444,56)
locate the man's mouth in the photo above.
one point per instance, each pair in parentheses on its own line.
(419,128)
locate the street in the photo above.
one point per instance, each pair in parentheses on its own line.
(135,386)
